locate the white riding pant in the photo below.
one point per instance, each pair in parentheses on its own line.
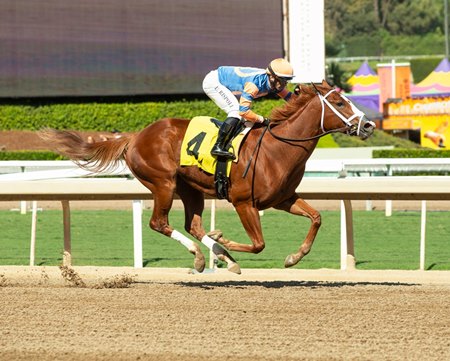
(221,95)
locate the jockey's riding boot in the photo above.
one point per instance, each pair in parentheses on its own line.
(225,133)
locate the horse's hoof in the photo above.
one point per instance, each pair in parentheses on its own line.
(199,262)
(234,267)
(215,235)
(291,260)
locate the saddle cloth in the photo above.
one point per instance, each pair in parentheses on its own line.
(198,141)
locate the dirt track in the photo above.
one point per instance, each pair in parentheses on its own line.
(169,314)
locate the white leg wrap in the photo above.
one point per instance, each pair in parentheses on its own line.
(183,240)
(221,254)
(208,241)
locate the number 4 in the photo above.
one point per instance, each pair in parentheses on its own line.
(194,144)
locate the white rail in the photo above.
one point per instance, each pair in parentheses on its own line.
(19,171)
(54,169)
(386,166)
(344,189)
(13,169)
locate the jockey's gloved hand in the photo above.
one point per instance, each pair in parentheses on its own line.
(266,122)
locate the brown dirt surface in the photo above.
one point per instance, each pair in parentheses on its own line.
(174,314)
(12,140)
(106,313)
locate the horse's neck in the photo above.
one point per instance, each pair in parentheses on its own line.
(296,146)
(291,155)
(305,123)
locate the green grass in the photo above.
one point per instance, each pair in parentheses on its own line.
(105,238)
(327,141)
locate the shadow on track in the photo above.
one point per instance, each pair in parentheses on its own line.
(282,284)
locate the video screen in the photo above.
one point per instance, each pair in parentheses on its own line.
(130,47)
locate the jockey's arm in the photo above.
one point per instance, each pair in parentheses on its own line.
(245,104)
(284,94)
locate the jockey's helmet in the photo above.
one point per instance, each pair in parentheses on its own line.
(280,72)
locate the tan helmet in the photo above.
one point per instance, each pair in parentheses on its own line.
(281,68)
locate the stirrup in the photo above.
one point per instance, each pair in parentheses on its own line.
(217,152)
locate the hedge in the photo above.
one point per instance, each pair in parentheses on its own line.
(30,155)
(411,153)
(379,138)
(125,117)
(134,116)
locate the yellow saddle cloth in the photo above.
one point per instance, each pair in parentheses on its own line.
(200,137)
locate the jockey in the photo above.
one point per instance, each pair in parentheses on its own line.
(226,83)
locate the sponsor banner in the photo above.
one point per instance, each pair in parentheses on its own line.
(400,123)
(422,106)
(434,129)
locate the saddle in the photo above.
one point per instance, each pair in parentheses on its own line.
(198,141)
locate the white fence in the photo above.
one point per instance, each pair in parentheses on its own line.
(33,170)
(21,187)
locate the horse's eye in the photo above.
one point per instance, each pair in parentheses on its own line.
(340,104)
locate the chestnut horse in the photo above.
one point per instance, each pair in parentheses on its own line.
(273,162)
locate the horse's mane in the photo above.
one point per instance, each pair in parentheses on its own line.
(293,105)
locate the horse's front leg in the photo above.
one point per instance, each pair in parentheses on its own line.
(252,224)
(194,203)
(298,206)
(195,228)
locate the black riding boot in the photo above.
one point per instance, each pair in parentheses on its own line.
(225,132)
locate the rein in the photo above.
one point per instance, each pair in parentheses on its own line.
(254,151)
(287,140)
(323,102)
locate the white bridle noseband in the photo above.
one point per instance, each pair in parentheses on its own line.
(357,113)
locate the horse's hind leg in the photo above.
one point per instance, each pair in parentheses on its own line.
(194,203)
(298,206)
(251,222)
(159,222)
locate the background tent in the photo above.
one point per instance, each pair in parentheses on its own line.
(436,84)
(365,87)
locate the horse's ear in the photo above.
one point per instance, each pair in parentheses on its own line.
(327,84)
(314,85)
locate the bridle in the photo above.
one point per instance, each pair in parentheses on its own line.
(356,113)
(349,128)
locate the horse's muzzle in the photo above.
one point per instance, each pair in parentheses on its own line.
(367,128)
(363,129)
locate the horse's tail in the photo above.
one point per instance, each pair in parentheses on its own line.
(95,157)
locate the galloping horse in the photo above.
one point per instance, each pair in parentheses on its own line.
(272,158)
